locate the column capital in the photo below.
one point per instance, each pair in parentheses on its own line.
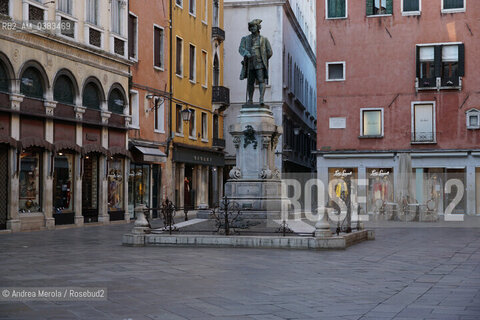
(49,107)
(15,100)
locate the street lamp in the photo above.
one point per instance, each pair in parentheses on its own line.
(296,131)
(186,114)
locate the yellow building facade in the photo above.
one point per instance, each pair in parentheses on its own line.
(196,151)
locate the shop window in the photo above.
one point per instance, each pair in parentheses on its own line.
(450,6)
(30,182)
(179,121)
(179,59)
(473,119)
(63,183)
(423,123)
(341,182)
(31,84)
(192,65)
(115,184)
(116,101)
(138,186)
(158,47)
(90,183)
(379,7)
(63,91)
(4,7)
(380,188)
(91,96)
(4,79)
(132,37)
(335,71)
(336,9)
(440,66)
(204,127)
(411,6)
(192,125)
(371,124)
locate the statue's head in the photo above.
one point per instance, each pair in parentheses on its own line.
(255,25)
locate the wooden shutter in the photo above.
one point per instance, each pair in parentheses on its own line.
(156,36)
(389,6)
(461,60)
(438,61)
(369,7)
(417,58)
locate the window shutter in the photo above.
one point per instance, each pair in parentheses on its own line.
(438,61)
(389,6)
(341,8)
(418,61)
(369,7)
(461,60)
(131,37)
(156,44)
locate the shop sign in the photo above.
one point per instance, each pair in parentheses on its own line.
(342,173)
(380,173)
(198,157)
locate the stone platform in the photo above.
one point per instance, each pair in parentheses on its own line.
(273,242)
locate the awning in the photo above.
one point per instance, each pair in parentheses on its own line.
(94,148)
(119,151)
(150,154)
(67,145)
(36,142)
(10,141)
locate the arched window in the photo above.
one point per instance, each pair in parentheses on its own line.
(91,96)
(63,91)
(31,84)
(3,78)
(116,101)
(216,71)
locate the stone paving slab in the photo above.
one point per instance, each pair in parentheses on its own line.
(407,273)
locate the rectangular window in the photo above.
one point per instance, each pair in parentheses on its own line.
(204,126)
(117,21)
(440,65)
(192,7)
(179,60)
(379,7)
(204,68)
(372,122)
(65,6)
(473,119)
(410,6)
(35,13)
(134,109)
(179,3)
(30,196)
(205,11)
(192,65)
(158,56)
(179,121)
(192,125)
(453,5)
(92,11)
(4,7)
(159,109)
(335,71)
(423,123)
(336,9)
(132,37)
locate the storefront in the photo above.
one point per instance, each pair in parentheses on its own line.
(63,188)
(198,176)
(90,187)
(477,189)
(341,184)
(380,189)
(116,186)
(30,181)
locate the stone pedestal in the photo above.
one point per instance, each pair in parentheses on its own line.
(255,181)
(141,225)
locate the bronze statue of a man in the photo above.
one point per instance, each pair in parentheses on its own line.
(256,51)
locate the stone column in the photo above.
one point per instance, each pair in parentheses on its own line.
(220,183)
(214,186)
(198,185)
(77,189)
(203,187)
(103,191)
(126,171)
(13,221)
(48,172)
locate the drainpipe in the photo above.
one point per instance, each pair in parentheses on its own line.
(170,131)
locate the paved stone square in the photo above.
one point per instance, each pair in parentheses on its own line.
(406,273)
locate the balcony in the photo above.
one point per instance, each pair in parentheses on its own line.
(221,95)
(218,34)
(218,143)
(423,137)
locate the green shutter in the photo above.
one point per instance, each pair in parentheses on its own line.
(331,9)
(389,6)
(417,59)
(438,61)
(369,7)
(341,8)
(461,60)
(336,8)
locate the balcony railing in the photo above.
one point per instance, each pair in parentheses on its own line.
(423,137)
(221,95)
(219,143)
(218,34)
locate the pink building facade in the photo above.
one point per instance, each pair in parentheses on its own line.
(400,77)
